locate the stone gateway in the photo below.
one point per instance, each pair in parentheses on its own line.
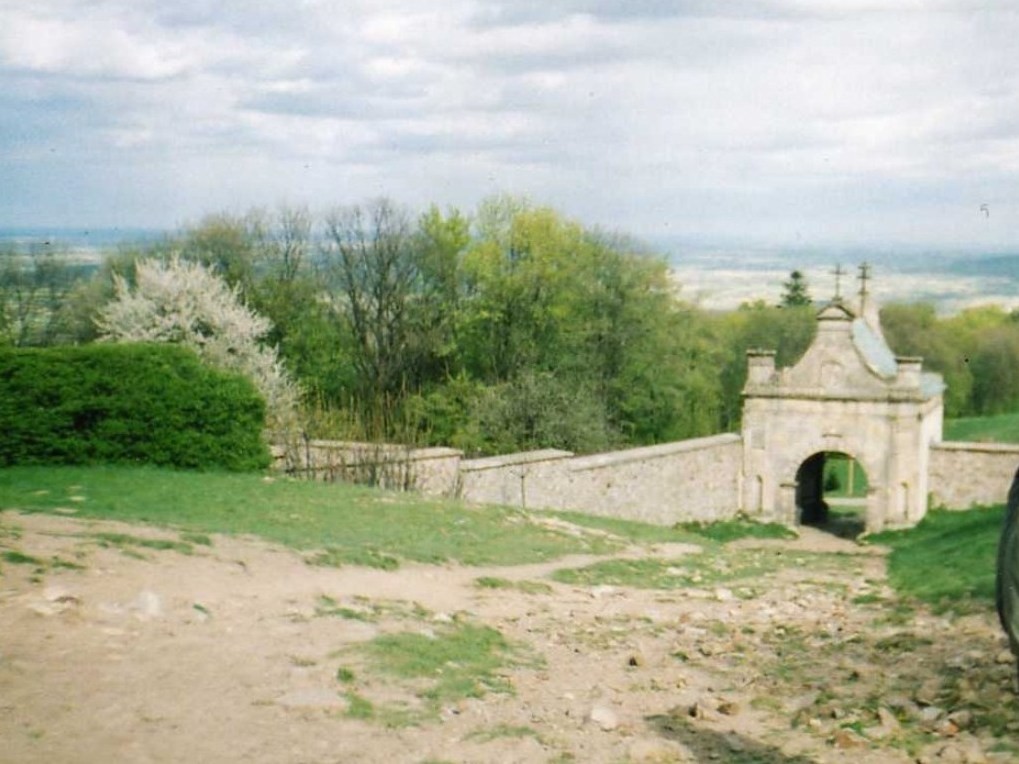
(848,395)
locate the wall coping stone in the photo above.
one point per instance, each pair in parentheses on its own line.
(596,461)
(991,448)
(364,448)
(508,460)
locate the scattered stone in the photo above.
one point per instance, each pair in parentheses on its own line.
(931,714)
(57,594)
(56,601)
(927,693)
(1004,657)
(44,608)
(636,660)
(604,717)
(947,729)
(955,753)
(728,707)
(699,711)
(147,605)
(846,739)
(657,751)
(887,720)
(963,718)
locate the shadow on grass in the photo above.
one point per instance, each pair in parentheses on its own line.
(713,745)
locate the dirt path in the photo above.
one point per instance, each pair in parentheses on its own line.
(112,651)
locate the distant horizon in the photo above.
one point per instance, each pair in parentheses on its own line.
(689,243)
(715,275)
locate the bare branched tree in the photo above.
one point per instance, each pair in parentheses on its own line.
(371,264)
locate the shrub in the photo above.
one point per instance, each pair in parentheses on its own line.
(153,404)
(185,303)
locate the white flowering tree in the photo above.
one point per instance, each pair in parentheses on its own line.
(186,303)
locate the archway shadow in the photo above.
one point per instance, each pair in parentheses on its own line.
(831,494)
(714,745)
(844,525)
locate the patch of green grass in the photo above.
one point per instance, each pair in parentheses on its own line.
(354,524)
(641,574)
(327,606)
(19,558)
(839,471)
(902,642)
(947,560)
(126,540)
(725,531)
(58,563)
(366,557)
(344,675)
(721,531)
(360,707)
(527,587)
(1001,428)
(368,610)
(488,734)
(629,530)
(201,539)
(870,598)
(461,661)
(710,568)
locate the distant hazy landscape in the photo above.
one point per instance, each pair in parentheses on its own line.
(715,277)
(950,279)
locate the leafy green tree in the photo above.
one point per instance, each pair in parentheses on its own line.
(226,245)
(916,330)
(33,288)
(995,369)
(788,331)
(440,243)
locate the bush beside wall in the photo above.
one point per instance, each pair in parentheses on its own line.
(142,404)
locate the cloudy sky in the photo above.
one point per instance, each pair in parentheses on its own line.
(776,121)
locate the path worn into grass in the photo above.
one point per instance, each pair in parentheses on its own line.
(225,649)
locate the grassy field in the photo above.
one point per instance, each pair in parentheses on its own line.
(1002,428)
(335,523)
(947,561)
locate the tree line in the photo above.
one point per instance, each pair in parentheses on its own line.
(506,329)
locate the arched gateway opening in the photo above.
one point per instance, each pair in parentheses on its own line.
(831,493)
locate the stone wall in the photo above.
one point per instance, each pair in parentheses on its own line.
(515,480)
(431,471)
(689,480)
(962,475)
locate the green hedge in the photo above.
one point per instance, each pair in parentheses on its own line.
(150,404)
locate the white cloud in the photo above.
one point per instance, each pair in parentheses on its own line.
(764,118)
